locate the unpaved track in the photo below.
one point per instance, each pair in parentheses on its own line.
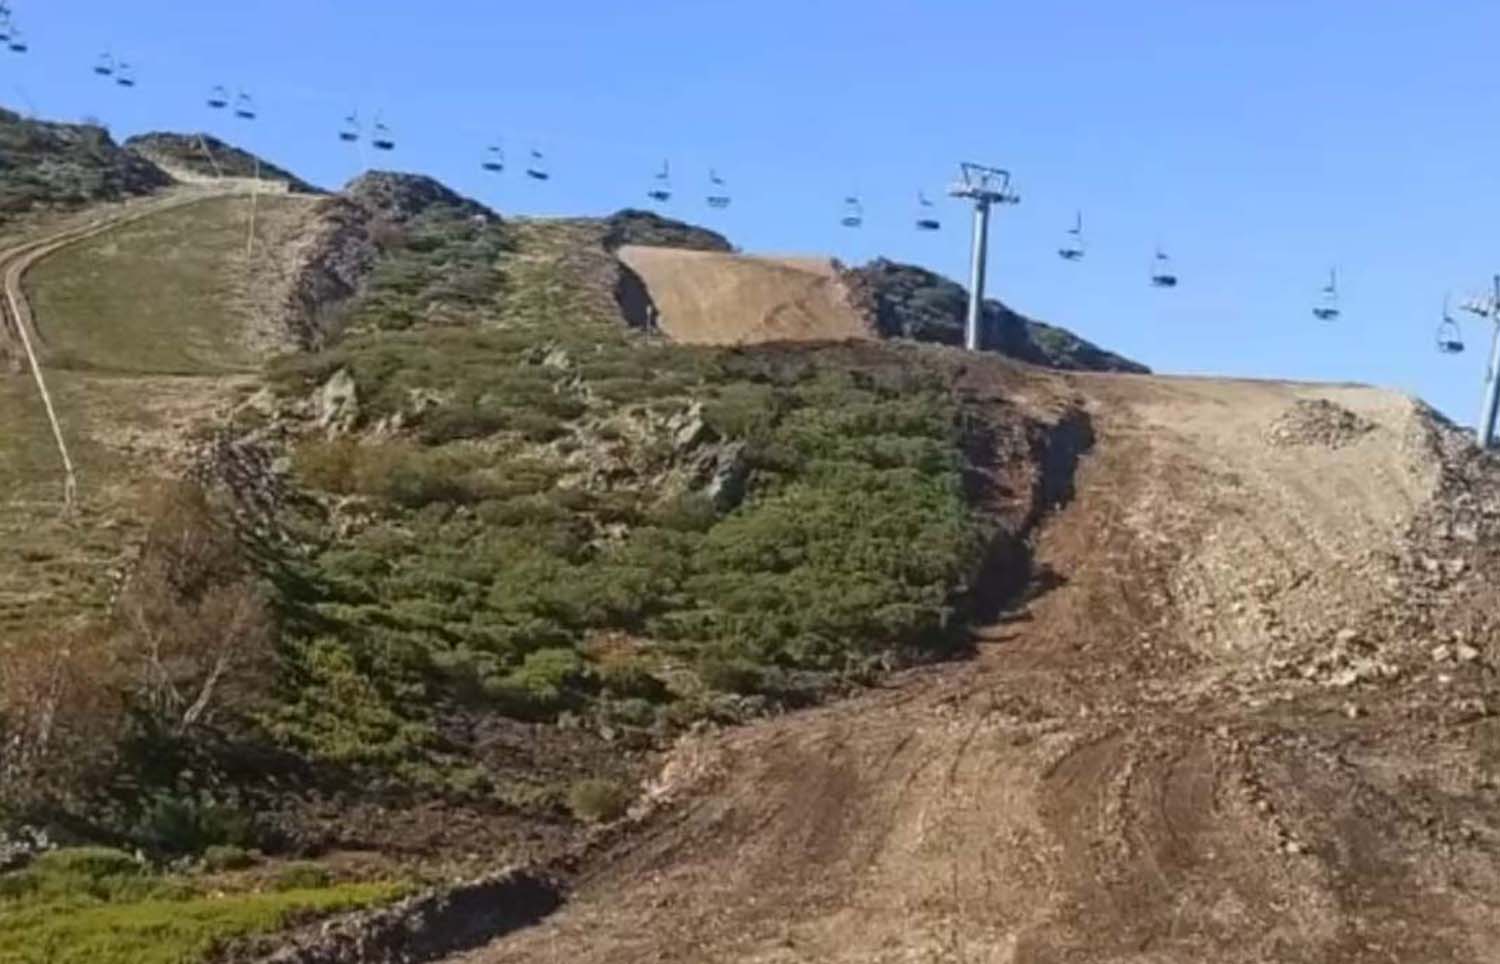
(710,297)
(19,340)
(1219,735)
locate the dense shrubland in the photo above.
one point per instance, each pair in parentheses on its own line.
(541,513)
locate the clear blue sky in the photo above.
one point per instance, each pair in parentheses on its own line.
(1260,141)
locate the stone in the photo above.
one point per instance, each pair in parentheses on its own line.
(1441,653)
(1466,653)
(338,402)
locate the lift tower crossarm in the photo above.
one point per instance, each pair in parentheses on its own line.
(1489,308)
(985,186)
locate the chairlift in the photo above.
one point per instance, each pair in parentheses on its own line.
(854,212)
(661,187)
(349,132)
(125,75)
(494,159)
(244,106)
(718,194)
(927,219)
(218,98)
(1073,247)
(17,41)
(104,66)
(381,137)
(1450,338)
(536,167)
(5,25)
(1162,274)
(1328,308)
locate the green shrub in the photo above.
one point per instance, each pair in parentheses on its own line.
(221,857)
(598,800)
(301,875)
(188,823)
(731,674)
(631,679)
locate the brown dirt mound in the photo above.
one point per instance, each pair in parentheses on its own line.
(1317,421)
(1251,720)
(716,298)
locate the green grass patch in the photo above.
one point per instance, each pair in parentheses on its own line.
(99,905)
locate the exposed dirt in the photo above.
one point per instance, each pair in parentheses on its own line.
(716,298)
(1224,726)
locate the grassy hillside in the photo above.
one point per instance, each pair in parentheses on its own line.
(529,510)
(516,544)
(166,294)
(443,585)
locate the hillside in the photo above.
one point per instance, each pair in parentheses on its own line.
(62,166)
(912,302)
(409,550)
(188,156)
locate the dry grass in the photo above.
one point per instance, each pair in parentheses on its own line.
(163,295)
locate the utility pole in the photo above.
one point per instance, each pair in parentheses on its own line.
(985,186)
(1489,308)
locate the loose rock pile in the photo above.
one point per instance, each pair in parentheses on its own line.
(1317,421)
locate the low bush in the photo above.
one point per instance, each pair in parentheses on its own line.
(222,857)
(598,800)
(301,875)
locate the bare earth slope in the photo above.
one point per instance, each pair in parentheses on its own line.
(718,298)
(1244,718)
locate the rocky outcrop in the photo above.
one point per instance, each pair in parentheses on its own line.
(632,226)
(400,197)
(912,302)
(203,155)
(67,165)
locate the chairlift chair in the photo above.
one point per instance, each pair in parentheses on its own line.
(125,75)
(854,212)
(718,196)
(494,159)
(1162,274)
(536,167)
(218,98)
(1328,309)
(17,41)
(661,188)
(244,107)
(1450,338)
(5,25)
(927,219)
(381,137)
(349,132)
(105,65)
(1073,248)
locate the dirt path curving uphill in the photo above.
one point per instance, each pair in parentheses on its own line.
(710,297)
(1249,721)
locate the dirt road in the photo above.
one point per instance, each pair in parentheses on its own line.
(1245,717)
(710,297)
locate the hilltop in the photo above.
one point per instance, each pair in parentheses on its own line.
(62,166)
(205,156)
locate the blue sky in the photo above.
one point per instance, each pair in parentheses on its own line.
(1260,141)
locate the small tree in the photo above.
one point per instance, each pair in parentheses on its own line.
(195,631)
